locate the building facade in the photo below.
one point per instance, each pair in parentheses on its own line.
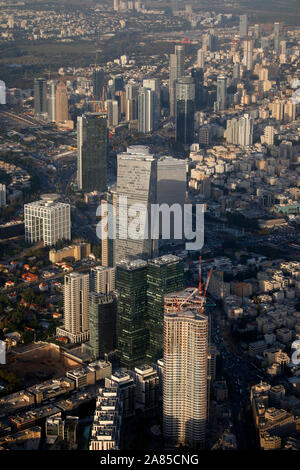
(47,220)
(185,378)
(92,148)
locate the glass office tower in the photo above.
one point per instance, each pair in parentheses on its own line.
(92,149)
(185,110)
(132,333)
(165,274)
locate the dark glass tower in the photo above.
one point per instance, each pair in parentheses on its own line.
(185,110)
(165,275)
(132,333)
(92,140)
(102,321)
(40,96)
(98,82)
(197,75)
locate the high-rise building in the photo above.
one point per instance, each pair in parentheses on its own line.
(240,131)
(121,100)
(269,134)
(248,54)
(165,274)
(209,42)
(132,333)
(51,100)
(40,96)
(147,387)
(243,26)
(257,31)
(2,195)
(154,85)
(200,58)
(131,90)
(112,109)
(102,280)
(289,111)
(146,100)
(176,71)
(136,184)
(2,92)
(108,209)
(197,74)
(62,108)
(277,38)
(76,308)
(277,108)
(47,220)
(221,92)
(102,324)
(126,387)
(116,84)
(185,110)
(98,83)
(170,190)
(92,148)
(185,385)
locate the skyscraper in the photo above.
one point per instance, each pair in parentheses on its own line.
(121,100)
(154,85)
(185,378)
(146,99)
(200,58)
(277,38)
(40,96)
(102,280)
(76,308)
(108,206)
(62,109)
(136,181)
(2,92)
(171,189)
(102,324)
(221,93)
(98,83)
(131,90)
(51,100)
(165,274)
(248,54)
(197,74)
(92,139)
(243,26)
(185,110)
(132,333)
(112,109)
(176,71)
(47,220)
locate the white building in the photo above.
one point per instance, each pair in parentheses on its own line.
(185,378)
(76,308)
(103,279)
(105,433)
(2,92)
(2,352)
(112,113)
(146,104)
(240,131)
(47,220)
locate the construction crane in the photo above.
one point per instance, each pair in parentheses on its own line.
(198,289)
